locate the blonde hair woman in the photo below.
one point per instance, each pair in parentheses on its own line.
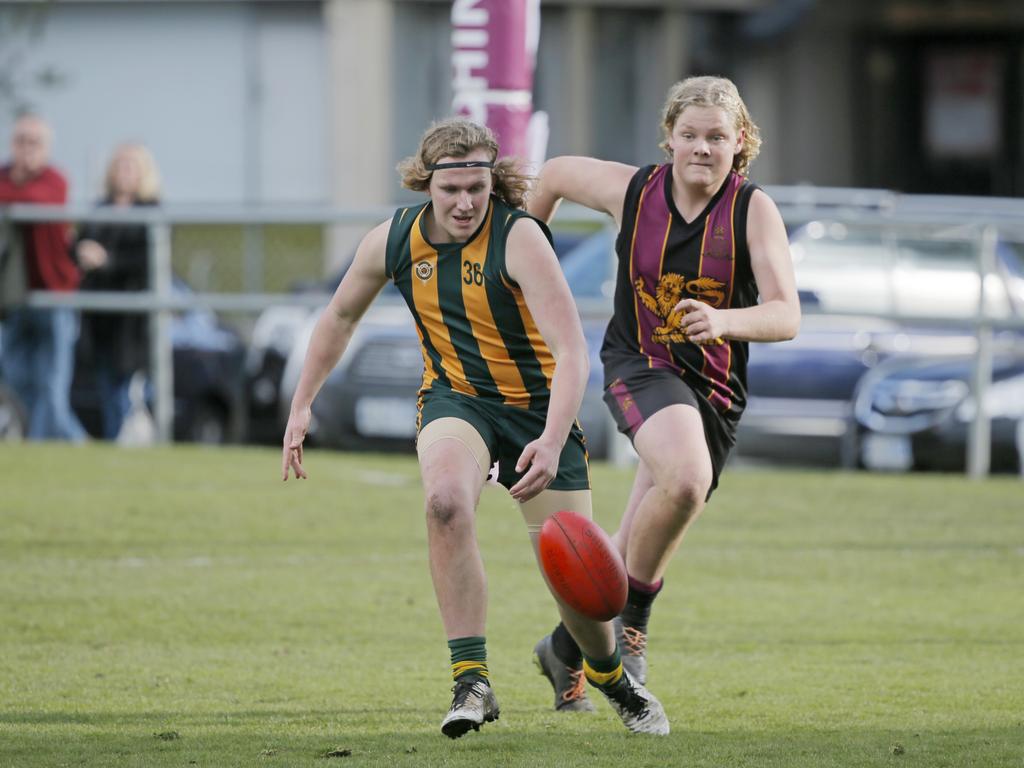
(132,177)
(115,257)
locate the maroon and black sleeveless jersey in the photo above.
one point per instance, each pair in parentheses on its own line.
(663,259)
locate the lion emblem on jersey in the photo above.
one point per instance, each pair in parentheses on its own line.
(671,289)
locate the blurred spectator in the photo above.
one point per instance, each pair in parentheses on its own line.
(115,257)
(38,344)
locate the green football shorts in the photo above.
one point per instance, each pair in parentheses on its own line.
(506,430)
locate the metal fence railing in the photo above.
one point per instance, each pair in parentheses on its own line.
(242,260)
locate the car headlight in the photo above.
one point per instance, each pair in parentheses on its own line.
(910,397)
(911,405)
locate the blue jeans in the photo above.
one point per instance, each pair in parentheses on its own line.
(38,363)
(114,401)
(114,390)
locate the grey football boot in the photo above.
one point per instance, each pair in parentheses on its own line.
(637,707)
(633,647)
(569,683)
(473,704)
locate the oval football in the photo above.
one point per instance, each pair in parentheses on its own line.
(583,566)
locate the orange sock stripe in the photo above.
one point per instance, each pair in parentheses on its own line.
(476,667)
(602,678)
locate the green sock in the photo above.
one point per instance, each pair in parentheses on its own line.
(469,657)
(604,673)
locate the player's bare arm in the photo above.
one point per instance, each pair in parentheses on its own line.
(361,284)
(533,265)
(777,316)
(597,184)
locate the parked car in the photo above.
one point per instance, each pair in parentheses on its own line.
(869,269)
(208,387)
(276,331)
(914,413)
(801,392)
(369,400)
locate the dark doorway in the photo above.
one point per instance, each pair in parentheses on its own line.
(944,115)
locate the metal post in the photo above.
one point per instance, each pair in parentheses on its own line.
(979,437)
(252,258)
(160,352)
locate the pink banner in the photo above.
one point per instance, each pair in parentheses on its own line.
(494,44)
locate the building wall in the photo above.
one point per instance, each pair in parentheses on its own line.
(798,86)
(230,96)
(317,100)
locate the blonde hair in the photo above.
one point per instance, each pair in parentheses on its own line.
(719,92)
(148,190)
(458,137)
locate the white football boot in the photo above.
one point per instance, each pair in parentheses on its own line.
(473,705)
(637,707)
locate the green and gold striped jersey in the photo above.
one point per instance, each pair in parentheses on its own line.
(476,332)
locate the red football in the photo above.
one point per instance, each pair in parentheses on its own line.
(583,566)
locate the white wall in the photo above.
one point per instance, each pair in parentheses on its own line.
(230,97)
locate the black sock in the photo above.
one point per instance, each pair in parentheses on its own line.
(565,647)
(638,603)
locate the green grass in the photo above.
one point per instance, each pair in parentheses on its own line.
(810,619)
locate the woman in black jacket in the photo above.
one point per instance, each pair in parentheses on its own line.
(115,257)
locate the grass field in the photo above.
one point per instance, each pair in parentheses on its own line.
(180,607)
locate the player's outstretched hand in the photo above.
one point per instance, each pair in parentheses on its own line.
(294,434)
(541,456)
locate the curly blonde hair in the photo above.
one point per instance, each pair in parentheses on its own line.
(709,91)
(458,137)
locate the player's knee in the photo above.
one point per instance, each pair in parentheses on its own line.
(446,508)
(687,493)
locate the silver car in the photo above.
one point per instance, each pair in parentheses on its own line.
(868,294)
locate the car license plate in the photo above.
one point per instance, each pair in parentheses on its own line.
(887,452)
(386,417)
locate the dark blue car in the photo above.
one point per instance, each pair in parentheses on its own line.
(914,413)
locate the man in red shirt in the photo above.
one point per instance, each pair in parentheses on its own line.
(39,344)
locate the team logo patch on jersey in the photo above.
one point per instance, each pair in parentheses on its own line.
(424,270)
(671,289)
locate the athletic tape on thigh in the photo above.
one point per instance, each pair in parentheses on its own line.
(546,503)
(451,428)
